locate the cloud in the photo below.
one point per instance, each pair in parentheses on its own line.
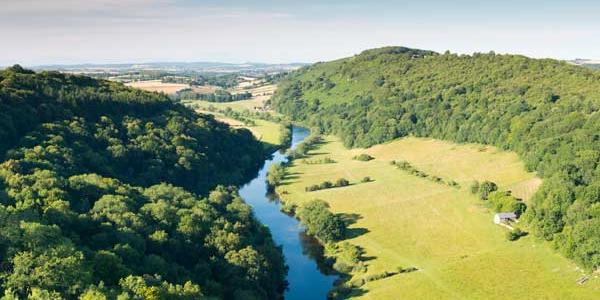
(30,7)
(50,31)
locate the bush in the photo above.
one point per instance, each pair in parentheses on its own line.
(342,267)
(289,208)
(322,223)
(504,202)
(453,183)
(342,182)
(275,175)
(363,157)
(475,187)
(328,160)
(515,234)
(366,179)
(486,188)
(325,185)
(312,188)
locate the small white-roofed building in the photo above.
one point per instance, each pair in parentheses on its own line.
(505,217)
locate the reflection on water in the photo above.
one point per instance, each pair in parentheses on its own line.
(303,254)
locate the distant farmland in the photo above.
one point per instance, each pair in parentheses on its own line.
(158,86)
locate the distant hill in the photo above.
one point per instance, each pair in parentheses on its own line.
(111,192)
(590,63)
(545,110)
(174,67)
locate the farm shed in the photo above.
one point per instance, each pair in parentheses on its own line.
(504,217)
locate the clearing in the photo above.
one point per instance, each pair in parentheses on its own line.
(446,232)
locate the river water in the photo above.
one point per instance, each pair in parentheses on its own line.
(306,279)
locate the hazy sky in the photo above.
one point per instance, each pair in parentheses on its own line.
(76,31)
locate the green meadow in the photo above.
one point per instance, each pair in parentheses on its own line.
(402,220)
(267,132)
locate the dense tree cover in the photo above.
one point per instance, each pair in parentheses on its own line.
(275,78)
(99,190)
(545,110)
(218,96)
(222,80)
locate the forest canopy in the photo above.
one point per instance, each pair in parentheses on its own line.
(109,192)
(545,110)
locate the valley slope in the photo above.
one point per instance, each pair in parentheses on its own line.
(108,191)
(544,110)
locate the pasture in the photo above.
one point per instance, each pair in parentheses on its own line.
(264,131)
(445,232)
(158,86)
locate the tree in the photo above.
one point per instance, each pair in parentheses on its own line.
(60,268)
(486,188)
(321,223)
(341,182)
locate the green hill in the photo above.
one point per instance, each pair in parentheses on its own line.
(545,110)
(113,192)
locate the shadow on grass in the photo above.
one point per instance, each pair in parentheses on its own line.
(350,219)
(355,232)
(317,153)
(290,178)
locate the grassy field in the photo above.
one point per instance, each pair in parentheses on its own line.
(408,221)
(158,86)
(264,131)
(241,105)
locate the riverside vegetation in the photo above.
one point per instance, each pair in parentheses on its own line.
(110,192)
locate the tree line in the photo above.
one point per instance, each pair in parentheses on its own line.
(217,96)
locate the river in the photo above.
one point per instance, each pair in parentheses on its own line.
(306,280)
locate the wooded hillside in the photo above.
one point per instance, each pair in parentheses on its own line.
(108,191)
(545,110)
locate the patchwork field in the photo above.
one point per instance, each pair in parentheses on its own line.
(205,89)
(260,95)
(158,86)
(408,221)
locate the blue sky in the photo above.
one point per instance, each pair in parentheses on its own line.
(102,31)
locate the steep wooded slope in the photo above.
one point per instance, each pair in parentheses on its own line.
(112,192)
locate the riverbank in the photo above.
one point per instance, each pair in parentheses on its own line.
(402,220)
(302,253)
